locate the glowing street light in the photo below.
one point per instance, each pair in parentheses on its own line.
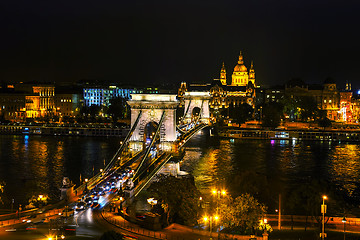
(344,221)
(323,211)
(218,193)
(210,220)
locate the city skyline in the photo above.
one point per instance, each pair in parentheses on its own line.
(173,42)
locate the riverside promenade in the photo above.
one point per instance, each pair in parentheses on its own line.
(173,231)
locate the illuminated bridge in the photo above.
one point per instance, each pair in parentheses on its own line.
(154,137)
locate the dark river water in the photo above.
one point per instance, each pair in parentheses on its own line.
(32,165)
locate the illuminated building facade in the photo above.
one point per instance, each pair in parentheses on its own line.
(100,96)
(222,95)
(41,102)
(12,106)
(67,104)
(240,91)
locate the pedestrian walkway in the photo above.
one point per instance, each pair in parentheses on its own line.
(173,231)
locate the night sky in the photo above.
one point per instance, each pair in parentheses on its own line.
(154,42)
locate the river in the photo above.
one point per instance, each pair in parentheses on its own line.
(32,165)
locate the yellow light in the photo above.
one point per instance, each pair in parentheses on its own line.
(265,220)
(50,238)
(62,237)
(86,180)
(206,219)
(324,197)
(214,191)
(200,198)
(223,192)
(216,217)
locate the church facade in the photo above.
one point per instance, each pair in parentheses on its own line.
(241,89)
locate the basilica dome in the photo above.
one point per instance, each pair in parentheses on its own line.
(240,68)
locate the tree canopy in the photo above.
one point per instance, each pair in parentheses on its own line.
(272,114)
(242,214)
(179,198)
(119,109)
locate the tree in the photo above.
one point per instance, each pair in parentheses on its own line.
(241,214)
(290,107)
(272,114)
(241,113)
(179,198)
(308,108)
(119,109)
(324,122)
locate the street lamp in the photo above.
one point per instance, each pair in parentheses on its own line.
(218,193)
(152,202)
(211,219)
(344,221)
(323,211)
(41,198)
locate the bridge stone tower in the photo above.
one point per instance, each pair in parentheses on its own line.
(198,100)
(152,107)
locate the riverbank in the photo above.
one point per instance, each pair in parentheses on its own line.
(292,134)
(65,130)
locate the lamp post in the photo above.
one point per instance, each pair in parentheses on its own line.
(218,193)
(211,219)
(86,184)
(41,198)
(344,221)
(323,211)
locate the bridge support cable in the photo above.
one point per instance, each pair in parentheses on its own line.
(198,118)
(143,184)
(150,145)
(185,113)
(113,160)
(179,129)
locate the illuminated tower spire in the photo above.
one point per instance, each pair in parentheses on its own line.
(252,73)
(223,74)
(241,61)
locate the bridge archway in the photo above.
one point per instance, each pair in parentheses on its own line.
(196,111)
(149,132)
(156,109)
(197,101)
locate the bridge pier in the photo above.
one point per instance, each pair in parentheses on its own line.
(152,107)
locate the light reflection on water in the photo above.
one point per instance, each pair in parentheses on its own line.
(36,164)
(286,164)
(32,165)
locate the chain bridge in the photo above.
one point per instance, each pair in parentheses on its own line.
(155,136)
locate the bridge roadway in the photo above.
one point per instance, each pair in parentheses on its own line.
(156,165)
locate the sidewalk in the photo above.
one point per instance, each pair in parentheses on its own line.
(173,231)
(14,221)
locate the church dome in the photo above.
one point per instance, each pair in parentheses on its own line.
(240,67)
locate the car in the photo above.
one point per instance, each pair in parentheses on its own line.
(95,205)
(88,200)
(80,206)
(31,227)
(69,230)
